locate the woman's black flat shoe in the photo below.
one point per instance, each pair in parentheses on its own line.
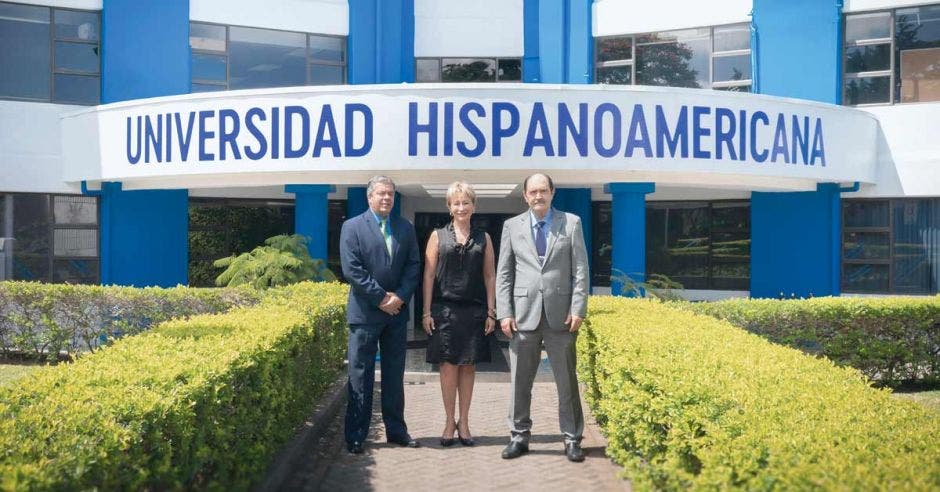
(448,442)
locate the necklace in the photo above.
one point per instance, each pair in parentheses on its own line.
(466,241)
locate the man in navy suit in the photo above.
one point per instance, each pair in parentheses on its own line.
(379,254)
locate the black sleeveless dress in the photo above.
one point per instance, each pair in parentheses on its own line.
(458,305)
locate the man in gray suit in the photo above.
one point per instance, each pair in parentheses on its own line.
(541,297)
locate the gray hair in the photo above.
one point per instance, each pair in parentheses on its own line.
(379,179)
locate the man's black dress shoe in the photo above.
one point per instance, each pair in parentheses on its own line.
(515,449)
(405,441)
(355,447)
(574,452)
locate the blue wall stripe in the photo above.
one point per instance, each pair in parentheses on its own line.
(530,35)
(381,41)
(806,65)
(145,53)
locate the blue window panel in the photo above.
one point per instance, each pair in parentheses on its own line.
(82,57)
(210,67)
(25,57)
(79,89)
(728,68)
(326,74)
(206,88)
(71,24)
(327,48)
(264,58)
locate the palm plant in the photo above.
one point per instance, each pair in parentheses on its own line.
(283,260)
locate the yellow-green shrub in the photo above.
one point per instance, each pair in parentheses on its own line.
(202,402)
(891,339)
(49,319)
(689,401)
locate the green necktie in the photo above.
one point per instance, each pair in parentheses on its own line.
(387,234)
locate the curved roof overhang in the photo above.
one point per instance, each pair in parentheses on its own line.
(583,135)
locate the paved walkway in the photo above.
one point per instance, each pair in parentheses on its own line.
(458,468)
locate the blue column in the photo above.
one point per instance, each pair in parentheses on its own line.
(795,243)
(795,237)
(381,41)
(578,202)
(558,44)
(144,237)
(628,218)
(145,53)
(806,65)
(311,216)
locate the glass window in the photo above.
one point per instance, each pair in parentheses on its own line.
(427,70)
(266,58)
(468,69)
(510,70)
(327,48)
(710,58)
(892,56)
(26,55)
(75,210)
(701,245)
(891,246)
(326,74)
(231,57)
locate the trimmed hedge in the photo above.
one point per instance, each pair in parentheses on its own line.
(46,320)
(892,340)
(196,403)
(689,401)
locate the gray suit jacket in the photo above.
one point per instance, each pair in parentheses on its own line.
(560,286)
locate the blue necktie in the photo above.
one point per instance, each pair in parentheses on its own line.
(540,239)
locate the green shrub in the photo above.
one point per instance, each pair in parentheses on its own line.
(689,401)
(892,340)
(196,403)
(46,320)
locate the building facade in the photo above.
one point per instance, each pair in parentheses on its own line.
(762,148)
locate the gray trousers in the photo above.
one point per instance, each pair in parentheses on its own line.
(525,354)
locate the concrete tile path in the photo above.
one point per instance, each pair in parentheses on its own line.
(386,467)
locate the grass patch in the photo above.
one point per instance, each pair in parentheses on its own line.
(930,399)
(12,372)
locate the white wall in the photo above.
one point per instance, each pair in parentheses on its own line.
(30,147)
(314,16)
(621,17)
(71,4)
(468,28)
(912,133)
(862,5)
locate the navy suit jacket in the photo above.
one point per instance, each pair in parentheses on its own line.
(371,273)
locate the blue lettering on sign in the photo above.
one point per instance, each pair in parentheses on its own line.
(472,129)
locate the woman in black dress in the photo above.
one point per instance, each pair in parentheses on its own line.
(459,306)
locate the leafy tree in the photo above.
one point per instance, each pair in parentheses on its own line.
(283,260)
(666,64)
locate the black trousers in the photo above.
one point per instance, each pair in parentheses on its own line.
(364,340)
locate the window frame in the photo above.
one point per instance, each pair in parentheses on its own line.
(890,41)
(52,226)
(440,68)
(309,61)
(52,70)
(713,54)
(889,230)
